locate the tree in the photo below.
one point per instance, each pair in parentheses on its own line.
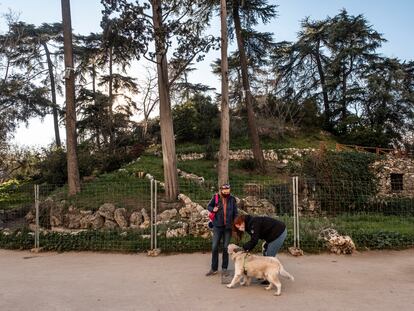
(34,52)
(72,158)
(20,98)
(223,164)
(327,63)
(182,22)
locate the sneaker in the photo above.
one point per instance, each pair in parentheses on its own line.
(211,272)
(224,272)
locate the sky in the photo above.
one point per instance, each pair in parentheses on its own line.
(391,18)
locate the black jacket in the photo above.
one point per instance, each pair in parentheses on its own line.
(231,211)
(262,227)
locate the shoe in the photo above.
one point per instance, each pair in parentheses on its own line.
(211,272)
(224,272)
(265,282)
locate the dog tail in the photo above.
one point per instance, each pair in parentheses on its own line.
(286,274)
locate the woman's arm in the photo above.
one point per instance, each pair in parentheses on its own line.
(254,239)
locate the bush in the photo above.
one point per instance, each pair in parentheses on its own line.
(196,120)
(281,197)
(340,181)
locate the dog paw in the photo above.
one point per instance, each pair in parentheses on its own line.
(268,287)
(277,294)
(229,286)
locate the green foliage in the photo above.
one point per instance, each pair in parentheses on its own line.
(281,197)
(340,181)
(14,194)
(196,120)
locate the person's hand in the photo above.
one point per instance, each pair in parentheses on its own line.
(215,209)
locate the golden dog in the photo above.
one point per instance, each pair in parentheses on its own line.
(248,266)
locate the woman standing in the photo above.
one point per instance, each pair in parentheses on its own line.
(265,228)
(225,211)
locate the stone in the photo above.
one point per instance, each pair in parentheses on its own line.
(178,232)
(56,215)
(109,224)
(72,218)
(252,189)
(97,221)
(107,211)
(135,219)
(167,215)
(120,216)
(86,219)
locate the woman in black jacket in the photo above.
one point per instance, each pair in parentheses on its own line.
(265,228)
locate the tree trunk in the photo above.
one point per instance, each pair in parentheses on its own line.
(251,119)
(111,101)
(166,123)
(53,91)
(72,158)
(327,110)
(223,161)
(98,132)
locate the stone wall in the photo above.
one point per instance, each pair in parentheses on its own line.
(392,165)
(283,155)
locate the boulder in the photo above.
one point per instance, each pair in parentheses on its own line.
(86,219)
(109,224)
(97,221)
(56,215)
(167,215)
(107,211)
(135,219)
(72,218)
(120,216)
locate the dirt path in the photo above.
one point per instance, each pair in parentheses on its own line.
(92,281)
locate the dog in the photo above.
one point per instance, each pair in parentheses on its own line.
(247,266)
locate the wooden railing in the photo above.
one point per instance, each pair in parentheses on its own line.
(377,150)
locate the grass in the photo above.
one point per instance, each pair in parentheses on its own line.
(367,231)
(302,140)
(16,196)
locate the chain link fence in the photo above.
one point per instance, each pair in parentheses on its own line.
(132,215)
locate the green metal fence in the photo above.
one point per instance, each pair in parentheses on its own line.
(115,215)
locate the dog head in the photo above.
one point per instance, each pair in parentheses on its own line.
(234,250)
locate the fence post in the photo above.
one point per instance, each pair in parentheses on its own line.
(152,214)
(294,211)
(297,211)
(155,212)
(36,193)
(295,199)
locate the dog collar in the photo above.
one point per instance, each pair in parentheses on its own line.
(244,264)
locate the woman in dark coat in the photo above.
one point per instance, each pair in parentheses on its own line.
(271,230)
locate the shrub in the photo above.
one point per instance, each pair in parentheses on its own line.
(280,197)
(340,181)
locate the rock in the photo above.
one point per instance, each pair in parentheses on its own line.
(179,232)
(167,215)
(30,217)
(252,189)
(107,211)
(72,218)
(56,215)
(135,219)
(146,218)
(337,243)
(120,216)
(295,251)
(97,221)
(86,219)
(154,252)
(253,205)
(109,224)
